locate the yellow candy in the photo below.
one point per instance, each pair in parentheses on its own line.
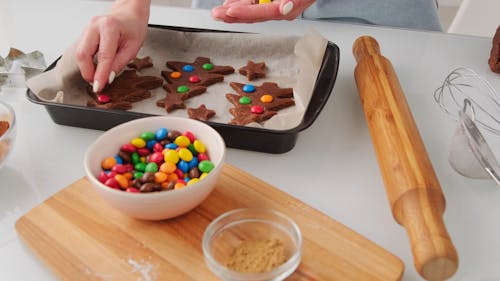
(182,141)
(171,156)
(108,163)
(265,1)
(138,142)
(266,98)
(185,154)
(193,181)
(203,175)
(199,146)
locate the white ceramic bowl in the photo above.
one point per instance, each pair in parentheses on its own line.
(163,204)
(7,138)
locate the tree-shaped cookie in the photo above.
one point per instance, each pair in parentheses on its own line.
(258,103)
(190,79)
(127,88)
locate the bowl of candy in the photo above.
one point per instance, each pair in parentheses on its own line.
(7,130)
(156,168)
(254,244)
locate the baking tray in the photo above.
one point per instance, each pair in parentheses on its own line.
(240,137)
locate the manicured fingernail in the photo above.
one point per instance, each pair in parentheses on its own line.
(287,8)
(95,87)
(112,76)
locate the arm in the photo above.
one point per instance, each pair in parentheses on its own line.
(114,39)
(245,11)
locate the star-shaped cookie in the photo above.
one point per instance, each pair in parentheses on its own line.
(202,113)
(253,70)
(140,63)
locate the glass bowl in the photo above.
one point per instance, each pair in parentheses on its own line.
(252,244)
(7,130)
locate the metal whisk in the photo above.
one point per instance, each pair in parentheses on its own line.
(470,99)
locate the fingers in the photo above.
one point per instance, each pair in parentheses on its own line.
(245,11)
(87,47)
(108,46)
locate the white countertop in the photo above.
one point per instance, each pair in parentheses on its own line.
(332,167)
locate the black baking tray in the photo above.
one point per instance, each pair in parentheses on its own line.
(240,137)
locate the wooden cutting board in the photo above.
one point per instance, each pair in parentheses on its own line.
(80,237)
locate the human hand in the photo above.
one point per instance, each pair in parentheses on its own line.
(114,39)
(246,11)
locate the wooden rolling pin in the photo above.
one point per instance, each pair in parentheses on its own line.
(416,199)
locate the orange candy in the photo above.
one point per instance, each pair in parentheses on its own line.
(108,163)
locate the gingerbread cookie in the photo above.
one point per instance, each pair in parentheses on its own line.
(494,60)
(190,79)
(253,70)
(258,103)
(127,88)
(202,113)
(140,63)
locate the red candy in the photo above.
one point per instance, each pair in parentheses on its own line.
(128,147)
(157,147)
(156,157)
(189,135)
(143,151)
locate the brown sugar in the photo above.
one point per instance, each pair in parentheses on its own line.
(257,256)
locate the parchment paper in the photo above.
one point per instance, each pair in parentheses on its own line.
(291,61)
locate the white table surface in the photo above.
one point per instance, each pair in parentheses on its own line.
(332,167)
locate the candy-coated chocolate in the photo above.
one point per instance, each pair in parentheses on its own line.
(161,134)
(138,175)
(245,100)
(171,156)
(156,157)
(148,136)
(175,74)
(138,142)
(132,190)
(202,156)
(168,167)
(171,146)
(160,177)
(128,148)
(182,141)
(122,181)
(103,99)
(190,136)
(102,177)
(111,182)
(193,181)
(123,157)
(199,146)
(194,79)
(179,185)
(120,169)
(183,166)
(135,158)
(206,166)
(188,68)
(193,163)
(141,166)
(266,98)
(143,151)
(248,88)
(185,154)
(157,147)
(151,167)
(150,144)
(108,163)
(257,109)
(179,173)
(208,66)
(182,89)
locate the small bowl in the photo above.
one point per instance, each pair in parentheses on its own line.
(8,136)
(161,204)
(228,232)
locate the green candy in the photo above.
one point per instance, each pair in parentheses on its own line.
(135,158)
(148,136)
(151,167)
(192,149)
(182,89)
(138,175)
(208,66)
(206,166)
(245,100)
(141,167)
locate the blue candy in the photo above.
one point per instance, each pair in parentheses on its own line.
(161,133)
